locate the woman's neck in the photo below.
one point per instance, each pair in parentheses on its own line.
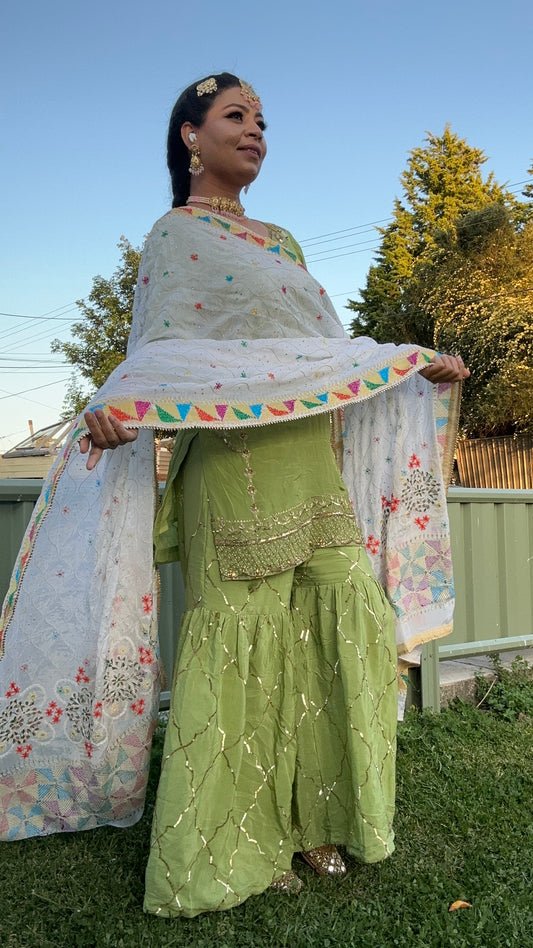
(206,186)
(218,203)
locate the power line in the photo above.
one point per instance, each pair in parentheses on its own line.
(26,390)
(308,242)
(27,327)
(350,253)
(359,243)
(49,314)
(333,296)
(40,359)
(359,233)
(46,369)
(13,434)
(40,318)
(45,317)
(518,184)
(334,233)
(12,346)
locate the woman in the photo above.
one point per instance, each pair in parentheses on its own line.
(282,724)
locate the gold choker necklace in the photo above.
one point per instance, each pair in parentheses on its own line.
(220,204)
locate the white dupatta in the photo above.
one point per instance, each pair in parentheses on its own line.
(229,330)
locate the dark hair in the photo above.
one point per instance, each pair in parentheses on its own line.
(193,108)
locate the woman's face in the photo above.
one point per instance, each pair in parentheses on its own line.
(231,140)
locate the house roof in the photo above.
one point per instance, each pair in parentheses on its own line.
(46,441)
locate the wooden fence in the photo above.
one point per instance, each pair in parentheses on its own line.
(503,463)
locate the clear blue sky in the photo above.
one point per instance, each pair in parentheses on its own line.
(348,89)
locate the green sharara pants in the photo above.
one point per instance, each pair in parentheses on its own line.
(281,734)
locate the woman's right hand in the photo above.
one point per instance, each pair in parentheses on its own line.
(105,433)
(445,368)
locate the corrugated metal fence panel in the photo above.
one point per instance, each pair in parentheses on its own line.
(17,500)
(492,547)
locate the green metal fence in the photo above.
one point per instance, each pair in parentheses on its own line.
(492,545)
(17,500)
(492,548)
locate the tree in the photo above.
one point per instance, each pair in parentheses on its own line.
(455,272)
(528,190)
(101,337)
(442,182)
(481,295)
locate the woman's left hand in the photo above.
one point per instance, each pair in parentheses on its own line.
(445,368)
(105,433)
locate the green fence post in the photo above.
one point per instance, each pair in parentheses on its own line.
(429,676)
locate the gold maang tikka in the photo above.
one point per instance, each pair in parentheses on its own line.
(249,93)
(210,85)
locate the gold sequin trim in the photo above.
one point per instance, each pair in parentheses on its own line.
(239,444)
(252,548)
(277,233)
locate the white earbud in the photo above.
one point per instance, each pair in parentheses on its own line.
(192,136)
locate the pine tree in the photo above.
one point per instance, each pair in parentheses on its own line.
(528,190)
(442,182)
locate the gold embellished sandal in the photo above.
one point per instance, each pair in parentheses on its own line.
(289,883)
(325,860)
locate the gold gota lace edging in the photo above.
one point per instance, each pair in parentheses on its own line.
(253,548)
(421,638)
(452,432)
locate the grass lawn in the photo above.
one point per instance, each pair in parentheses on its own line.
(464,831)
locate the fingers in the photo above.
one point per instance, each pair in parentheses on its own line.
(105,433)
(454,365)
(446,368)
(94,456)
(94,453)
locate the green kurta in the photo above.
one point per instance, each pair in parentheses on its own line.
(281,734)
(274,496)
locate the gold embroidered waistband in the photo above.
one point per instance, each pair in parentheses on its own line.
(251,548)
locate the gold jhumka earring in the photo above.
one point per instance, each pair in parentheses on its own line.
(195,167)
